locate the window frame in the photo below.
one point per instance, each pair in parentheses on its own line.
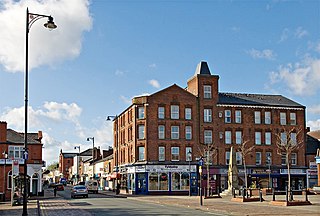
(161,133)
(162,153)
(257,139)
(174,111)
(141,112)
(227,116)
(141,151)
(238,117)
(207,115)
(227,137)
(175,133)
(207,136)
(294,159)
(260,155)
(188,113)
(188,133)
(293,118)
(207,91)
(161,112)
(239,139)
(283,118)
(141,132)
(175,154)
(257,117)
(267,117)
(187,154)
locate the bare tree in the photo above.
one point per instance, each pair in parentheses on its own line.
(289,141)
(245,150)
(208,152)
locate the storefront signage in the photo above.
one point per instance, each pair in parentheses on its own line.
(15,167)
(313,165)
(171,168)
(293,171)
(9,161)
(317,160)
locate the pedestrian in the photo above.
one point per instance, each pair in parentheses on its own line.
(55,191)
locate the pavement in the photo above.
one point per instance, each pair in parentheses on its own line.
(48,205)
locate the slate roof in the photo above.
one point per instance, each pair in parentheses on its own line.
(312,145)
(257,100)
(202,68)
(69,155)
(18,138)
(315,134)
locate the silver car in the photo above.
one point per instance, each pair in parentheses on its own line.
(79,190)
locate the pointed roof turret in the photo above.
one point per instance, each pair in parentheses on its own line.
(202,68)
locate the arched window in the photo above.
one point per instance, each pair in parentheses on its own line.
(175,184)
(164,182)
(185,181)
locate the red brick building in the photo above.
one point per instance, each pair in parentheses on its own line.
(158,139)
(65,162)
(12,148)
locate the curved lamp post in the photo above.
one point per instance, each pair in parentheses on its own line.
(78,164)
(30,19)
(88,139)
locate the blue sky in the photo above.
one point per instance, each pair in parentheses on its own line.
(104,52)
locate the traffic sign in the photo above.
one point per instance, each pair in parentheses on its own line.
(25,155)
(201,162)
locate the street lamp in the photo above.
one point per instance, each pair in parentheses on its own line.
(88,139)
(269,163)
(30,19)
(5,155)
(78,163)
(189,159)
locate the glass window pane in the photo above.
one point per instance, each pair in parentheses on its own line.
(175,181)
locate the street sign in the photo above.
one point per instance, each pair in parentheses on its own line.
(25,155)
(201,162)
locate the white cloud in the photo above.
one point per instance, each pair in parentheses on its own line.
(314,109)
(119,73)
(301,78)
(45,47)
(154,83)
(264,54)
(235,28)
(300,32)
(284,35)
(314,125)
(125,99)
(58,120)
(152,65)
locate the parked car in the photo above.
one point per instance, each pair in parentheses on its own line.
(59,187)
(79,190)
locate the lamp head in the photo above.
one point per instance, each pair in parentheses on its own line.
(50,24)
(88,139)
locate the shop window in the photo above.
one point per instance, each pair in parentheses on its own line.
(164,185)
(185,185)
(153,181)
(175,178)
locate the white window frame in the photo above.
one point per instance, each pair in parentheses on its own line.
(174,111)
(283,159)
(207,115)
(238,119)
(267,137)
(239,158)
(188,134)
(227,116)
(207,136)
(238,137)
(141,112)
(283,118)
(257,117)
(141,153)
(174,132)
(227,137)
(267,117)
(161,112)
(293,138)
(283,137)
(187,154)
(162,153)
(268,162)
(175,153)
(257,136)
(207,91)
(258,158)
(293,119)
(227,157)
(188,113)
(161,131)
(141,132)
(15,152)
(294,158)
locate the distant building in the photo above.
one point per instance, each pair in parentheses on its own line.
(12,146)
(154,135)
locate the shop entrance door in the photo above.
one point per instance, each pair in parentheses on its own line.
(141,183)
(194,184)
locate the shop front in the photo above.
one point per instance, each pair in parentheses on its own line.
(162,179)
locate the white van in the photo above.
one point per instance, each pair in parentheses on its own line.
(92,186)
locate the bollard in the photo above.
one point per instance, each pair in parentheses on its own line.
(234,192)
(260,195)
(291,195)
(250,192)
(306,195)
(286,194)
(244,193)
(273,195)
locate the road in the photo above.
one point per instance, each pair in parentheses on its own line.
(101,204)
